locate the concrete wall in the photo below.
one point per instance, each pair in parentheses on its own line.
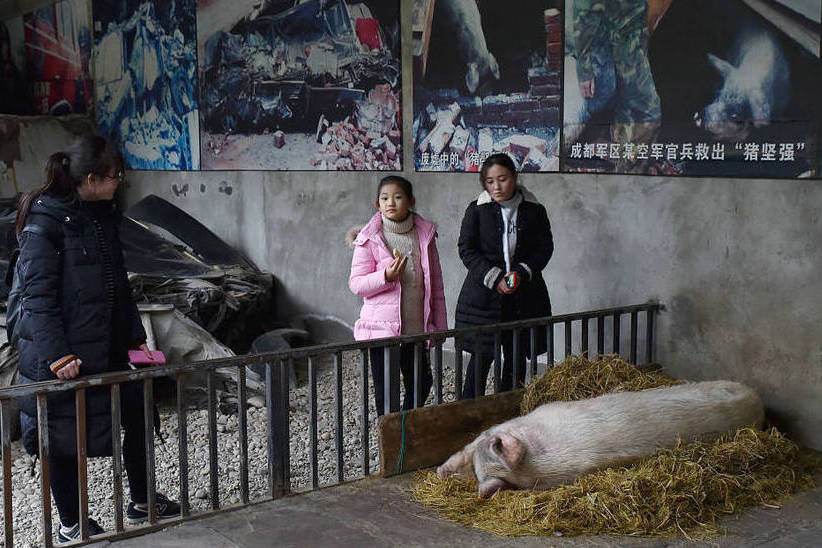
(736,262)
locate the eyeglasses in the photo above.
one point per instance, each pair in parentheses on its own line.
(118,177)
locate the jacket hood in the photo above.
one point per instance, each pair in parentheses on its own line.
(527,196)
(357,235)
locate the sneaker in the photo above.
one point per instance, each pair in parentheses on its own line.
(70,534)
(166,509)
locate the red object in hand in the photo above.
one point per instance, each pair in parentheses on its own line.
(139,357)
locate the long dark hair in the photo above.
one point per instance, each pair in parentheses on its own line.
(66,170)
(497,159)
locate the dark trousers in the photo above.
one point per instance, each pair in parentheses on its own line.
(64,477)
(507,376)
(406,358)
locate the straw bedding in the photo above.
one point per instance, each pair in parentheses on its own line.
(679,491)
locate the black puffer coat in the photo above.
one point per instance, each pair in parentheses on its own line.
(70,306)
(480,248)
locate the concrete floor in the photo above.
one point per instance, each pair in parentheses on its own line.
(377,512)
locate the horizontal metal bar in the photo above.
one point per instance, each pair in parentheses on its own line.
(47,387)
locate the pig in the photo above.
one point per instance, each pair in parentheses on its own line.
(755,87)
(559,441)
(463,18)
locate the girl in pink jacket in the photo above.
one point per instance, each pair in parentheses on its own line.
(396,270)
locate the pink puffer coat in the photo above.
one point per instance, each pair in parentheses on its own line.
(380,314)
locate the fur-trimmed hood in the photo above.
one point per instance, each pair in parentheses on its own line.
(527,195)
(357,234)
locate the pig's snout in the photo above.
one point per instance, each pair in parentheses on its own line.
(442,472)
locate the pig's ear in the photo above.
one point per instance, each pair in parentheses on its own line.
(722,66)
(491,486)
(508,449)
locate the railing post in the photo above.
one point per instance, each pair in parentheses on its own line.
(634,315)
(242,432)
(182,444)
(457,369)
(497,361)
(366,454)
(273,401)
(213,472)
(649,335)
(391,381)
(8,513)
(148,418)
(45,467)
(583,345)
(82,461)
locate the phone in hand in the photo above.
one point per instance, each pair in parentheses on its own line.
(138,357)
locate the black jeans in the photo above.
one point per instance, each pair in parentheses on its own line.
(377,359)
(507,375)
(64,486)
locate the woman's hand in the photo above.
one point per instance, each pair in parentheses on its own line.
(70,370)
(502,286)
(146,351)
(396,268)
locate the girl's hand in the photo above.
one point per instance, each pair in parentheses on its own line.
(395,269)
(70,370)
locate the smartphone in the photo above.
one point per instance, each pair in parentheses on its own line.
(511,280)
(139,357)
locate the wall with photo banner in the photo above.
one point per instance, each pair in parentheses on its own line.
(734,260)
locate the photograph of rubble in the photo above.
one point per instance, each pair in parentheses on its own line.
(146,81)
(14,85)
(300,85)
(739,101)
(58,51)
(486,79)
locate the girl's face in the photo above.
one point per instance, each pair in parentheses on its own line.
(500,183)
(393,202)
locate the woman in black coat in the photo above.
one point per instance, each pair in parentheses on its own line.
(505,242)
(78,318)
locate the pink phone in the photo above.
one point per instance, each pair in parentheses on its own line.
(139,357)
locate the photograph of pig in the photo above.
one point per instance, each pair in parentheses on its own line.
(559,441)
(692,87)
(310,85)
(486,79)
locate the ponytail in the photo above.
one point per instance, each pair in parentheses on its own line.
(59,183)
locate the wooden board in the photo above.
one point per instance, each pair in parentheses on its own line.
(422,19)
(432,434)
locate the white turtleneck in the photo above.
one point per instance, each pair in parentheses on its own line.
(403,236)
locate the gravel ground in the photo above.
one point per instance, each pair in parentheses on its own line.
(26,473)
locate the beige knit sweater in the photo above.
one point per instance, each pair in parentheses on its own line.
(403,237)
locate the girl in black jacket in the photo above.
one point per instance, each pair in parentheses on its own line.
(505,242)
(78,318)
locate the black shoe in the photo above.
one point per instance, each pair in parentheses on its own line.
(166,509)
(70,534)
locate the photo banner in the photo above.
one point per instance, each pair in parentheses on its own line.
(15,88)
(696,87)
(58,53)
(486,79)
(313,85)
(146,81)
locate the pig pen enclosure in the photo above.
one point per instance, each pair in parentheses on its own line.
(223,447)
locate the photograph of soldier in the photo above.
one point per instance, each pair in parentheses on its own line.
(692,87)
(611,48)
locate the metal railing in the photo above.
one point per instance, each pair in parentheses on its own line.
(606,322)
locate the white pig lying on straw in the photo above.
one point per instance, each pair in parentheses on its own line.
(559,441)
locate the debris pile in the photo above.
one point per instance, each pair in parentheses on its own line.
(148,100)
(369,139)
